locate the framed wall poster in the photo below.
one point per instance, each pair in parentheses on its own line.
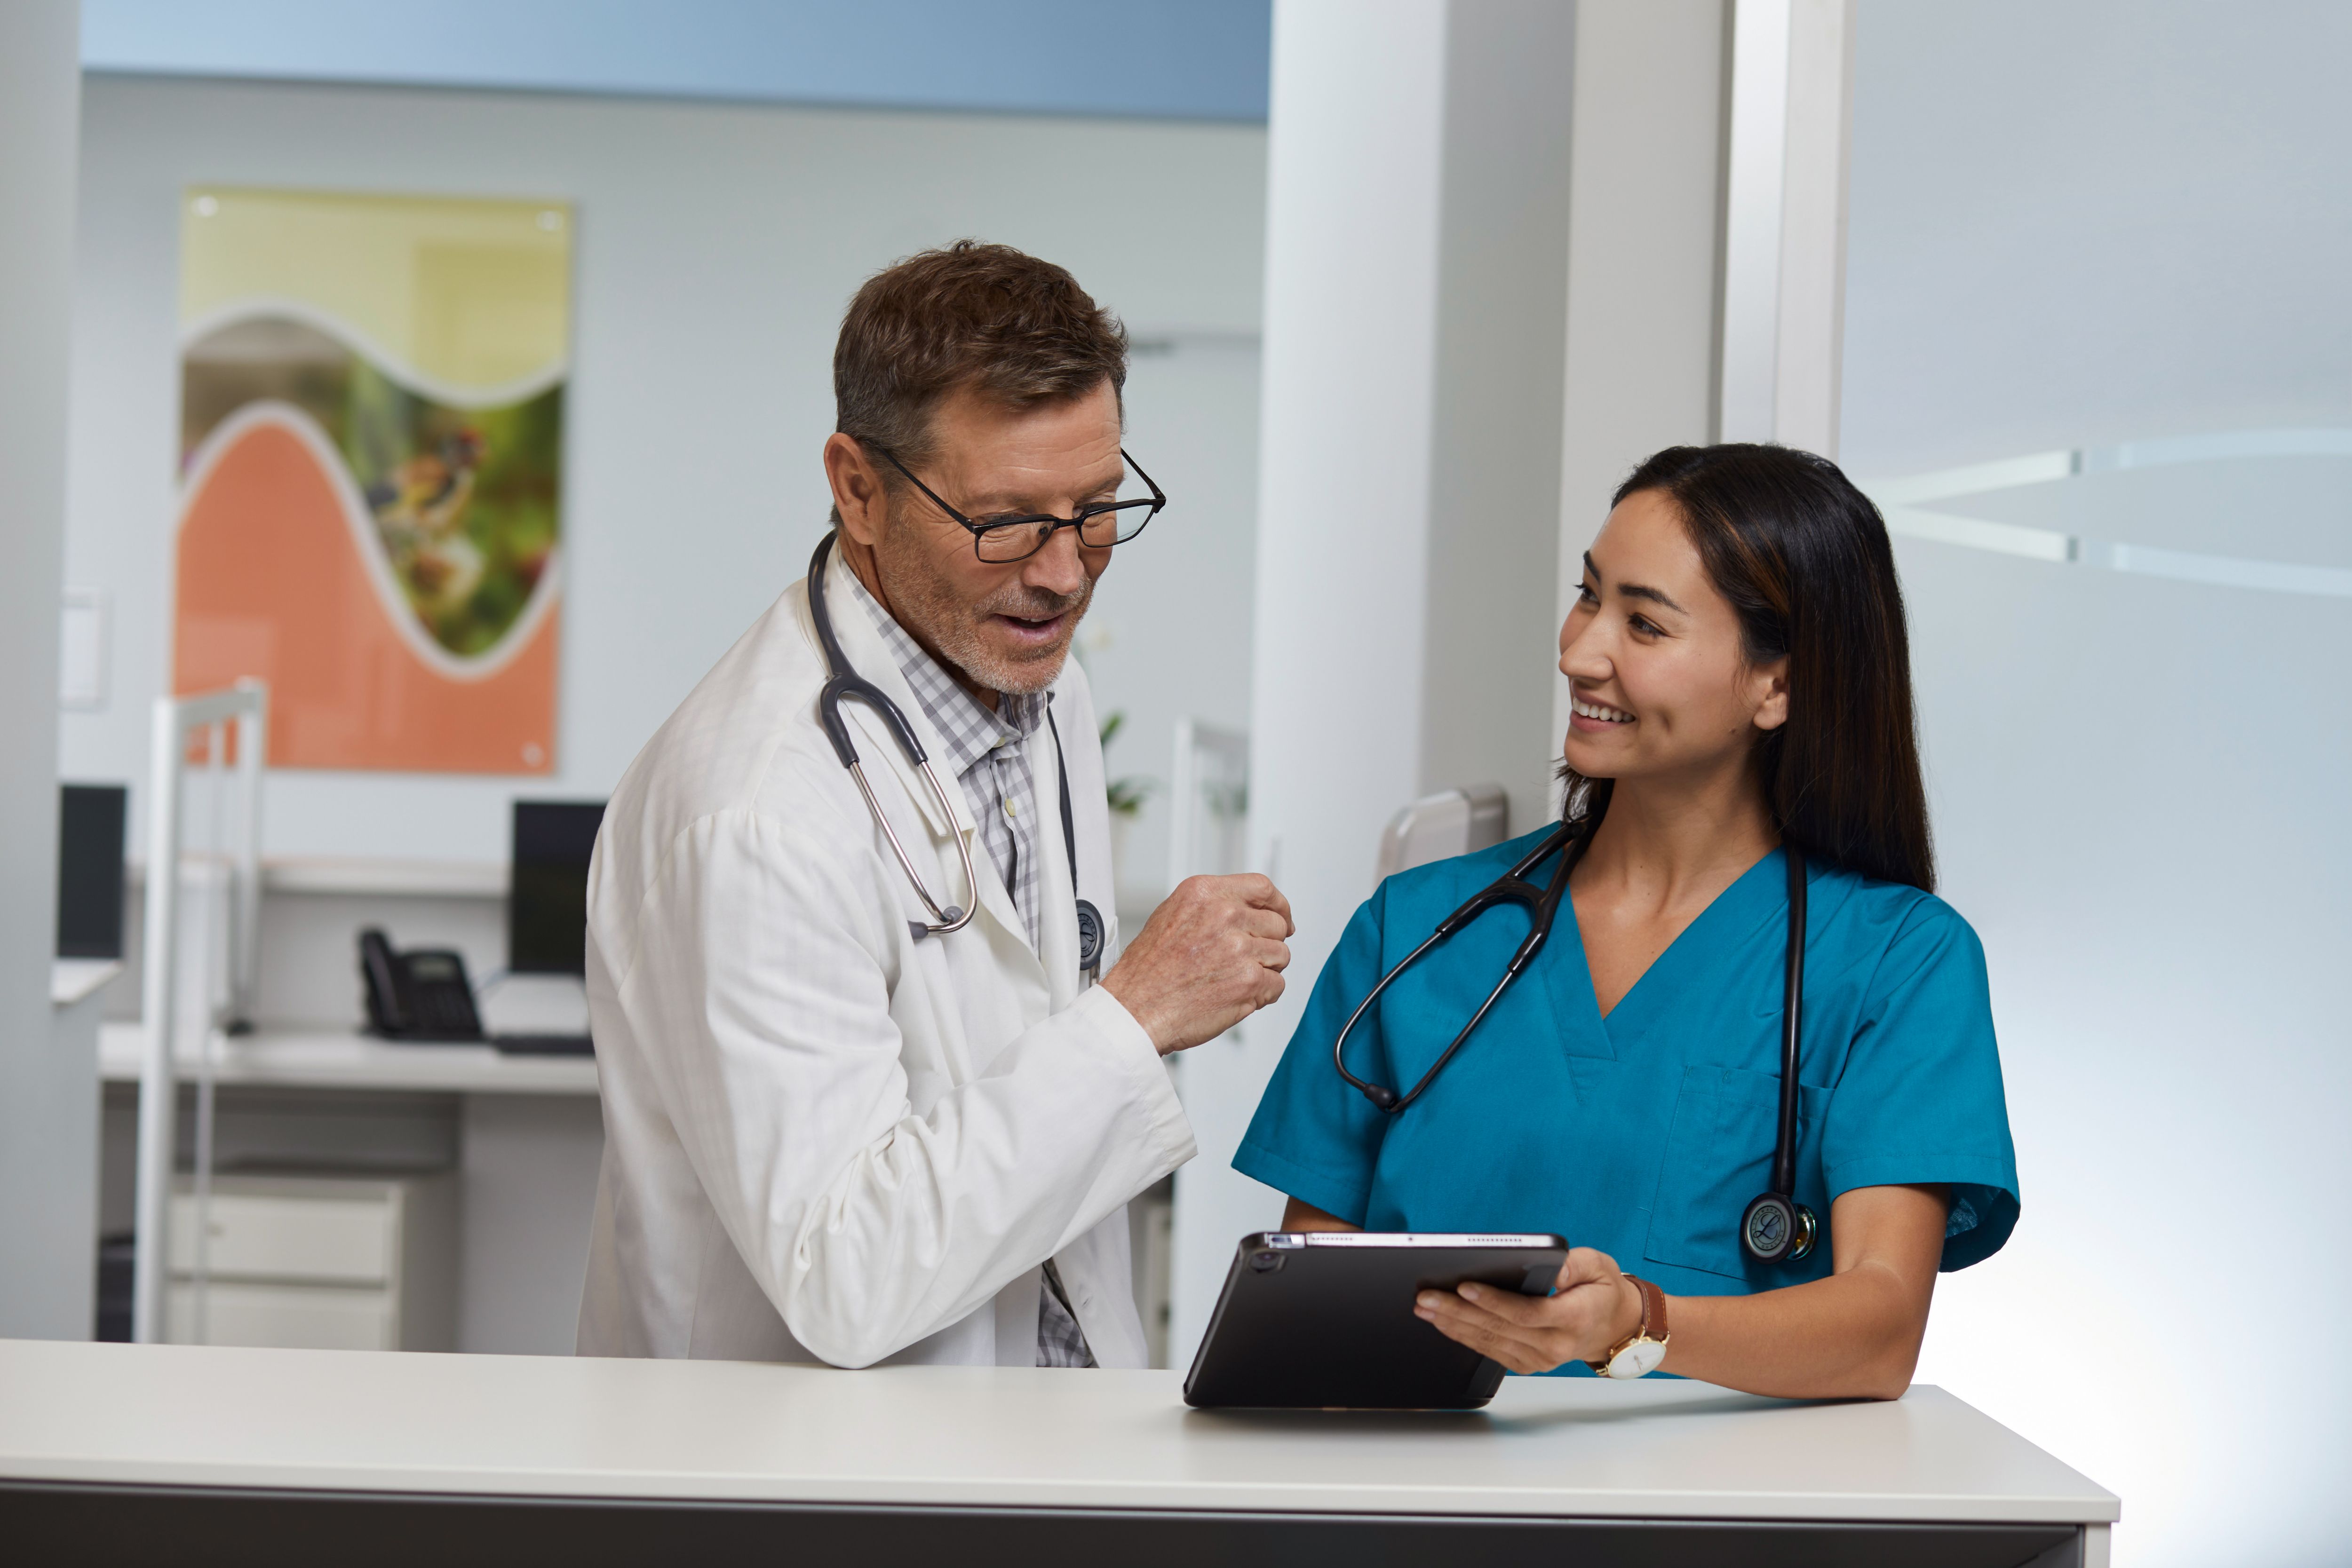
(371,447)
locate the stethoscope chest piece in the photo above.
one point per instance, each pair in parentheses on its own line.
(1778,1230)
(1090,937)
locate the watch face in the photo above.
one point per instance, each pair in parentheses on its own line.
(1638,1360)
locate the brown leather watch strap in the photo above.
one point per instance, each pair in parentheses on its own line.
(1652,1326)
(1653,1310)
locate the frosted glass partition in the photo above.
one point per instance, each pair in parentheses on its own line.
(2096,345)
(2132,666)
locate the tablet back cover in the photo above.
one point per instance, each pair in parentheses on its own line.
(1332,1326)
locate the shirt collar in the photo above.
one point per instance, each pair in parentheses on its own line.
(966,728)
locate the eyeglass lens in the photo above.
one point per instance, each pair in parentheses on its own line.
(1016,541)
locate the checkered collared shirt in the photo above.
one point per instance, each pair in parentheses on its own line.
(988,755)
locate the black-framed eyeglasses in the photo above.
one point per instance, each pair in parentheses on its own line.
(1100,524)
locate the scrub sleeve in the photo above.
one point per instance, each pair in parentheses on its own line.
(1920,1100)
(1314,1137)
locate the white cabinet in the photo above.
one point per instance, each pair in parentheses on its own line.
(318,1263)
(291,1317)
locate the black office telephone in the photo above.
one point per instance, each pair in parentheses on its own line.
(418,995)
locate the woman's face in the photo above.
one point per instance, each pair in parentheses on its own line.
(1652,654)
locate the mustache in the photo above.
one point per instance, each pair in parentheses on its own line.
(1027,603)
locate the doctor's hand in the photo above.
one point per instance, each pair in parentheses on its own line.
(1592,1309)
(1209,956)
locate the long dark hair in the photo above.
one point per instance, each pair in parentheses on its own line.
(1803,558)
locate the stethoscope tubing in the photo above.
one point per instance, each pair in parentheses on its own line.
(1572,839)
(1792,1028)
(1510,887)
(841,682)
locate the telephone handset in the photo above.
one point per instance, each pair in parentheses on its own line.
(423,993)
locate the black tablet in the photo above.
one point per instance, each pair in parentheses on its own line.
(1323,1319)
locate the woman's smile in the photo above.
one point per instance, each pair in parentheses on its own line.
(1592,717)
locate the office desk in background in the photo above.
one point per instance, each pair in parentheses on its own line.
(330,1059)
(355,1457)
(524,1133)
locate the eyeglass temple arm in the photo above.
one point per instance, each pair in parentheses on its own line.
(1159,496)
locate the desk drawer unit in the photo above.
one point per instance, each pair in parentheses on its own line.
(291,1317)
(351,1240)
(321,1263)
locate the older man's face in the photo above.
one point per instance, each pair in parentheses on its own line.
(1006,627)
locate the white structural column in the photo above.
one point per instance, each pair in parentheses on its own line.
(1643,247)
(48,1099)
(1409,482)
(1785,219)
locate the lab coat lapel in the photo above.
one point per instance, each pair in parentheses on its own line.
(878,749)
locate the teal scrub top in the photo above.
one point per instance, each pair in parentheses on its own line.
(1645,1134)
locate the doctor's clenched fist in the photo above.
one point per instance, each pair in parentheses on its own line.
(1209,956)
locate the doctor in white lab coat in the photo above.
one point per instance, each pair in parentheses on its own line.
(828,1138)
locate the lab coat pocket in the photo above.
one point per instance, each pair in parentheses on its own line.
(1718,1155)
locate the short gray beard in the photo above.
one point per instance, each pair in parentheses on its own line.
(925,603)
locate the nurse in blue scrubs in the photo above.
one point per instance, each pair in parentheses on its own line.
(1740,679)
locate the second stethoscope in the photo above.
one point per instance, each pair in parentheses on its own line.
(1776,1228)
(843,683)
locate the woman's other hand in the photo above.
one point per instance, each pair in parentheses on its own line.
(1854,1335)
(1592,1308)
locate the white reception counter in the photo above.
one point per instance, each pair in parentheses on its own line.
(110,1452)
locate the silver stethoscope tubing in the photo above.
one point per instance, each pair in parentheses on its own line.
(1776,1229)
(843,683)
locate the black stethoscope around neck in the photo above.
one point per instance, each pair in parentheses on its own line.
(1776,1228)
(843,683)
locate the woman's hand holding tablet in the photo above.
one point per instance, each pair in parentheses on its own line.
(1593,1309)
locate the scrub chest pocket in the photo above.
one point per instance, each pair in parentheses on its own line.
(1718,1155)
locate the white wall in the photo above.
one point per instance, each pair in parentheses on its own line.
(2074,224)
(1408,510)
(1169,635)
(1645,209)
(49,1101)
(717,246)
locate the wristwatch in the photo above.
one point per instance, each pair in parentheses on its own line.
(1639,1353)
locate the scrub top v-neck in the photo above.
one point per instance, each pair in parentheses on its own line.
(1645,1134)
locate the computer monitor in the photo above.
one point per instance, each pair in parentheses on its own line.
(89,870)
(547,899)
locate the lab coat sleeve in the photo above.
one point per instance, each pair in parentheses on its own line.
(763,987)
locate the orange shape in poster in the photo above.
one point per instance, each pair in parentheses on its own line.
(273,585)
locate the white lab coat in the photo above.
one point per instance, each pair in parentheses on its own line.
(826,1140)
